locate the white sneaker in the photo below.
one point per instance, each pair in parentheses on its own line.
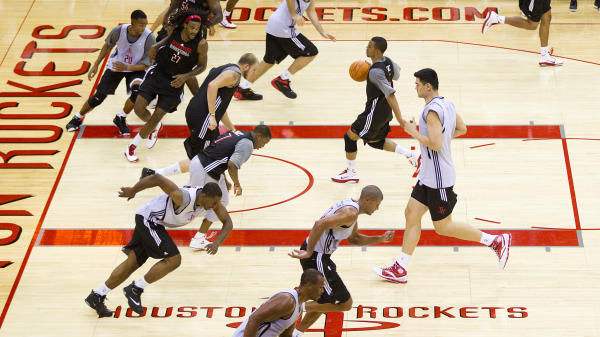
(153,137)
(501,246)
(130,153)
(490,19)
(226,22)
(550,61)
(297,333)
(346,176)
(199,241)
(413,158)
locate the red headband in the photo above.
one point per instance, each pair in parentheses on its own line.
(193,18)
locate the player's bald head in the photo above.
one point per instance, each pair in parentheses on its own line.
(371,192)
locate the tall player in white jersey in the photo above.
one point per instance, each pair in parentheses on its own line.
(438,125)
(283,39)
(175,208)
(276,317)
(338,223)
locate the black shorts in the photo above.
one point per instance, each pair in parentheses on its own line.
(200,135)
(111,79)
(538,8)
(373,125)
(278,48)
(150,241)
(440,201)
(335,289)
(156,83)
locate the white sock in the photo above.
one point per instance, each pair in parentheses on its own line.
(78,115)
(141,283)
(102,289)
(544,51)
(487,239)
(226,13)
(169,170)
(402,151)
(286,75)
(351,165)
(121,114)
(501,19)
(136,140)
(244,84)
(403,259)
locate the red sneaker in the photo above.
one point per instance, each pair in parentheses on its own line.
(283,86)
(501,246)
(130,153)
(394,273)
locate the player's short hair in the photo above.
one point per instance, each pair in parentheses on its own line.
(249,59)
(371,192)
(310,276)
(212,190)
(263,130)
(428,75)
(380,43)
(138,14)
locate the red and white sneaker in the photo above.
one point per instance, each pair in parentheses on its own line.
(226,22)
(490,19)
(130,153)
(346,176)
(550,61)
(394,273)
(153,137)
(501,246)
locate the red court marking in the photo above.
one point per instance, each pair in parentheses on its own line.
(310,177)
(482,145)
(10,45)
(567,138)
(567,229)
(571,184)
(485,220)
(45,211)
(337,131)
(287,237)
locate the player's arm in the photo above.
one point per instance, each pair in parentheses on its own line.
(280,305)
(180,79)
(227,122)
(298,19)
(145,61)
(151,181)
(241,154)
(434,127)
(288,332)
(461,127)
(225,219)
(314,19)
(216,11)
(377,77)
(160,20)
(359,239)
(109,43)
(225,79)
(155,47)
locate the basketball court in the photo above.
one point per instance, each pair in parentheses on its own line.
(527,166)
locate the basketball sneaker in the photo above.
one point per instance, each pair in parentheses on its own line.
(147,172)
(501,246)
(96,302)
(283,86)
(597,5)
(246,95)
(74,124)
(130,153)
(414,158)
(226,22)
(153,136)
(573,6)
(134,297)
(394,273)
(490,19)
(346,176)
(200,241)
(121,124)
(548,60)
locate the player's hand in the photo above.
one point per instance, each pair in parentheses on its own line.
(119,66)
(92,72)
(212,248)
(237,190)
(179,80)
(228,184)
(211,30)
(127,192)
(298,20)
(328,36)
(410,127)
(299,254)
(212,122)
(387,236)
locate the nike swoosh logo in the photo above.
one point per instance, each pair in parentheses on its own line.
(132,300)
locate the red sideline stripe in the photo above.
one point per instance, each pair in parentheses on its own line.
(571,184)
(337,131)
(284,237)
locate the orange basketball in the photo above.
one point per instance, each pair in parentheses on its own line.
(359,70)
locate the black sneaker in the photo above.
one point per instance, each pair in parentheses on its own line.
(74,124)
(283,86)
(121,125)
(134,299)
(96,302)
(597,5)
(573,6)
(147,172)
(247,95)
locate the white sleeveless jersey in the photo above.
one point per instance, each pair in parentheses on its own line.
(280,23)
(330,240)
(437,167)
(127,52)
(277,327)
(160,210)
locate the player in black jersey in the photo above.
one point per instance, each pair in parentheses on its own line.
(179,57)
(373,124)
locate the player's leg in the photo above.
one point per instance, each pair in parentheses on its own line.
(527,7)
(226,22)
(546,58)
(350,174)
(144,132)
(391,146)
(304,52)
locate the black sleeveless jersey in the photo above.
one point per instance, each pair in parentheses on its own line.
(373,92)
(176,56)
(216,156)
(199,7)
(199,103)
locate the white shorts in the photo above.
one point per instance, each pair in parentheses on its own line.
(198,177)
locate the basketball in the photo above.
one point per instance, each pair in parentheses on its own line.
(359,70)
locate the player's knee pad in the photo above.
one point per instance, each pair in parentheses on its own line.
(135,90)
(377,145)
(96,100)
(312,50)
(349,144)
